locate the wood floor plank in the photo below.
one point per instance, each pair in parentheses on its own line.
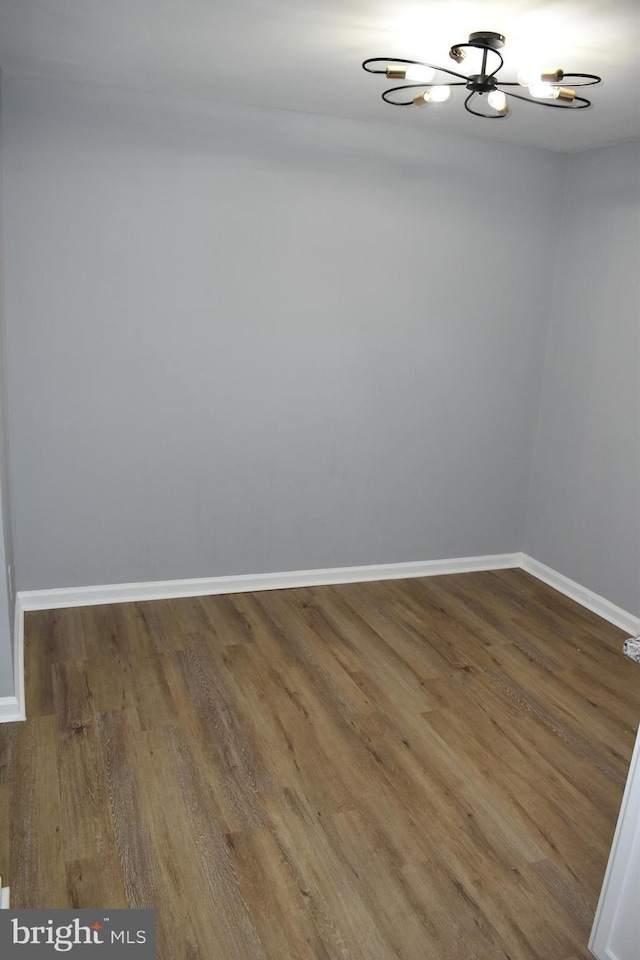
(9,734)
(36,863)
(569,699)
(341,918)
(290,628)
(117,631)
(85,823)
(270,885)
(228,620)
(407,919)
(71,695)
(119,733)
(5,799)
(96,883)
(419,768)
(167,623)
(197,840)
(21,825)
(363,636)
(38,680)
(559,614)
(468,914)
(521,794)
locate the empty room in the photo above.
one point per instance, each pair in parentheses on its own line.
(320,479)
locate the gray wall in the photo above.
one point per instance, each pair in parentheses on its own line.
(7,594)
(245,341)
(584,510)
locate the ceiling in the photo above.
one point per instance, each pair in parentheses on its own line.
(305,55)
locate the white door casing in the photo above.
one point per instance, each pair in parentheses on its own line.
(616,928)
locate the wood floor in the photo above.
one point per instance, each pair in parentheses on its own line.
(422,769)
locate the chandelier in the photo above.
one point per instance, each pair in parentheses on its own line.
(544,87)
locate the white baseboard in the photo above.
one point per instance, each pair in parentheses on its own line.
(208,586)
(616,916)
(13,708)
(587,598)
(10,710)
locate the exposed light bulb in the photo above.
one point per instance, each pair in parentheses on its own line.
(543,91)
(497,99)
(529,75)
(433,95)
(440,94)
(420,74)
(547,91)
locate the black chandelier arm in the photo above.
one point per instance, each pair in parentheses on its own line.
(575,78)
(413,63)
(414,86)
(558,106)
(485,116)
(581,79)
(500,65)
(590,82)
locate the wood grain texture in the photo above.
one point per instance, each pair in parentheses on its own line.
(414,769)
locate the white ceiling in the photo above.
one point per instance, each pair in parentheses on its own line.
(306,55)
